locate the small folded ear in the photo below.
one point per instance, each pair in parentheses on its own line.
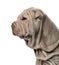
(40,30)
(50,35)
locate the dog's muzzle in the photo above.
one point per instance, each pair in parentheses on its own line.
(16,29)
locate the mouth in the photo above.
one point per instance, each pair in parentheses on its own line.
(27,38)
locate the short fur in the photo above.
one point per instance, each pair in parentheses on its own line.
(40,34)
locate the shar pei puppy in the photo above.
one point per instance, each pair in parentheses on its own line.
(40,34)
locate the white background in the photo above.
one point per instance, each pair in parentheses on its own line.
(13,50)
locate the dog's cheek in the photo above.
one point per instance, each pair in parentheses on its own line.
(36,25)
(31,28)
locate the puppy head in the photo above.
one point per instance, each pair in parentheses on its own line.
(28,25)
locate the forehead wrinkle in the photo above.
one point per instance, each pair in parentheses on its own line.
(32,13)
(29,14)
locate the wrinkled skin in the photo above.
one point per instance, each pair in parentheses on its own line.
(40,34)
(27,25)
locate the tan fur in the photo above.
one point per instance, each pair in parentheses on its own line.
(40,34)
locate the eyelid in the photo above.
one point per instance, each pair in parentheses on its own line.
(38,17)
(23,18)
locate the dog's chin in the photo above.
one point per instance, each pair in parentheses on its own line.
(27,38)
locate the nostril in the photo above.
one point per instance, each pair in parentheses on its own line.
(14,33)
(13,25)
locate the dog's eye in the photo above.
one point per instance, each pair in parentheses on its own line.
(38,17)
(24,18)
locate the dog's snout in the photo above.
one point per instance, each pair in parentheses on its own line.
(13,25)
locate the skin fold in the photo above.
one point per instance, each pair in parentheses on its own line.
(40,34)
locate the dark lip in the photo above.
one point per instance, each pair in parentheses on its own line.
(27,37)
